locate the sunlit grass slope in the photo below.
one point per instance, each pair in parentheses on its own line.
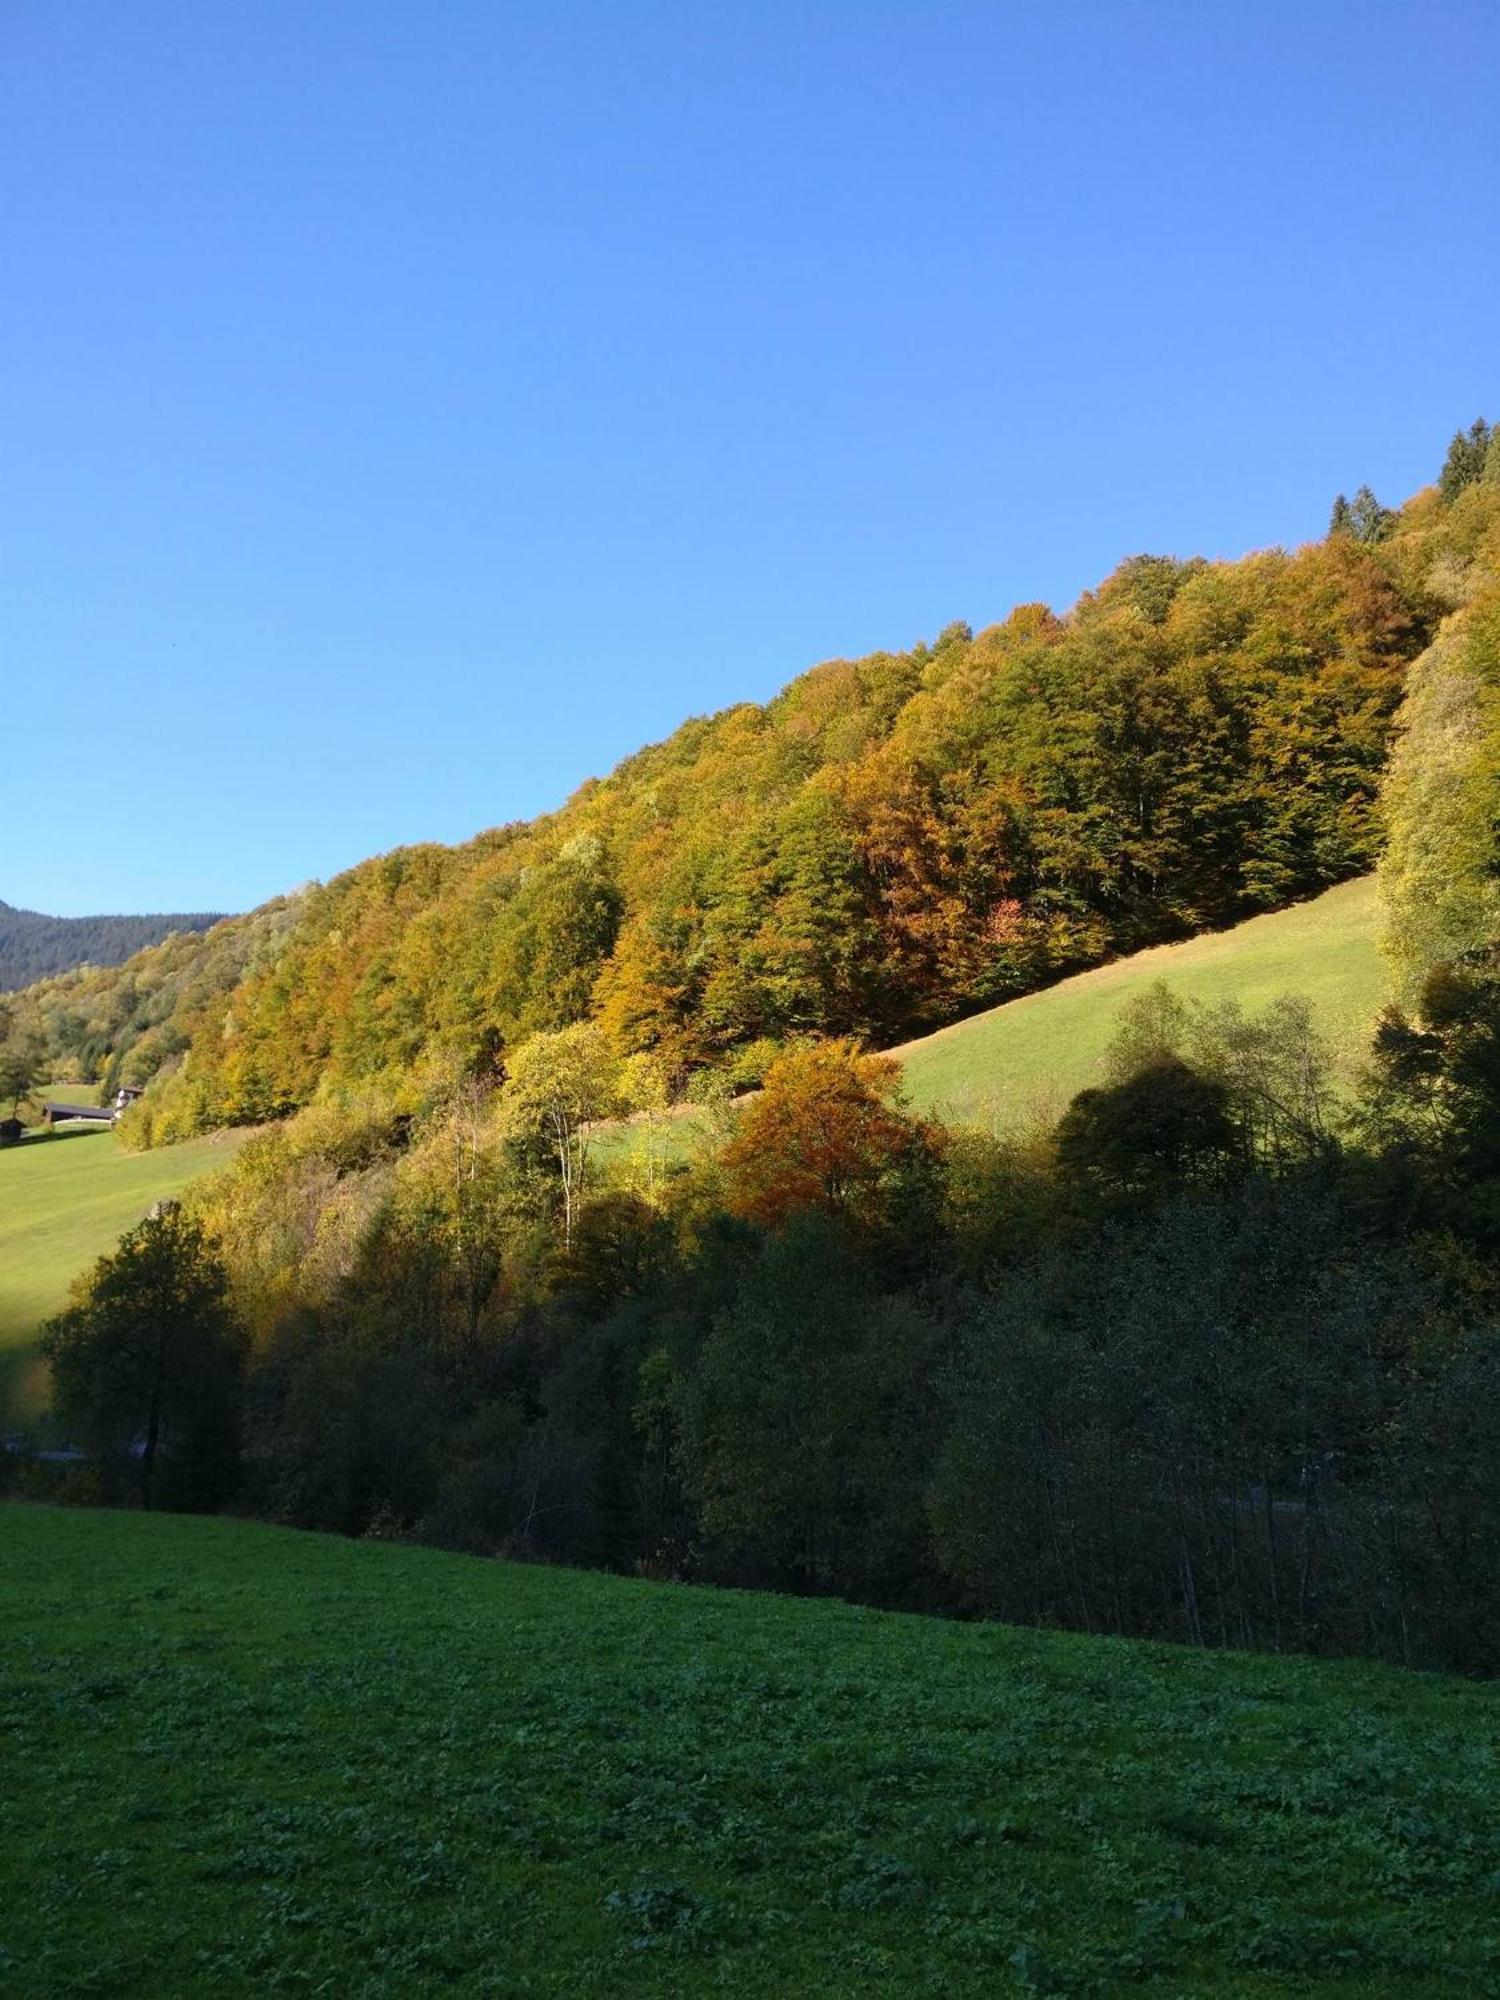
(1030,1056)
(65,1200)
(243,1760)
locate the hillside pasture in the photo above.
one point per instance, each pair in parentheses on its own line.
(1025,1060)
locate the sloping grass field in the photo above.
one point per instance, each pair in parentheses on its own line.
(241,1760)
(1028,1058)
(65,1199)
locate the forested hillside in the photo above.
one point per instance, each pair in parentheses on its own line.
(890,844)
(1212,1355)
(34,947)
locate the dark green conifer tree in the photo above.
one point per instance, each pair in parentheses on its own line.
(1466,459)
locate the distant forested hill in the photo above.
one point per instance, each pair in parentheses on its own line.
(35,947)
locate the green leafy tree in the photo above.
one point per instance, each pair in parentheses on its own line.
(1190,1086)
(558,1086)
(146,1361)
(453,1195)
(1440,884)
(1433,1091)
(1152,1429)
(1149,1030)
(1276,1071)
(1163,1128)
(538,959)
(1441,1484)
(796,944)
(802,1420)
(21,1061)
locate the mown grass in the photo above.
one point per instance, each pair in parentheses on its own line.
(243,1761)
(65,1199)
(1028,1058)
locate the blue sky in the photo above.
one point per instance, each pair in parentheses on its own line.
(409,409)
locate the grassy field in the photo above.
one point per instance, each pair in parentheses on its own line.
(64,1200)
(1027,1058)
(248,1761)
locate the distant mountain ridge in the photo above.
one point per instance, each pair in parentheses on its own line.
(33,946)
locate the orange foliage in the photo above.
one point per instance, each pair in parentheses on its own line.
(824,1133)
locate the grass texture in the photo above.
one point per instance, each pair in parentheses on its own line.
(246,1761)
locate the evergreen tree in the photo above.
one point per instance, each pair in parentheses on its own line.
(1363,517)
(1466,459)
(1368,520)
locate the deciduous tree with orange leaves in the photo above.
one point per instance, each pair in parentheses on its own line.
(826,1132)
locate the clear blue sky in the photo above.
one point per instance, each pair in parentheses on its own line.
(409,409)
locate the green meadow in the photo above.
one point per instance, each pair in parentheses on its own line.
(1025,1060)
(244,1760)
(65,1199)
